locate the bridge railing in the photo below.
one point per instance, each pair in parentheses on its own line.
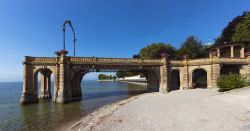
(176,62)
(199,61)
(40,59)
(234,60)
(93,60)
(206,61)
(114,60)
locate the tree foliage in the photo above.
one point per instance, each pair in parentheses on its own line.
(106,77)
(242,29)
(156,49)
(236,30)
(193,48)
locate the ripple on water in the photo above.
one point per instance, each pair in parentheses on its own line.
(47,115)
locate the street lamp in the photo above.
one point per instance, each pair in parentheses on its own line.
(64,30)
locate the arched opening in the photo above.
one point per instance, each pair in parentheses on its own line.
(43,83)
(175,80)
(199,78)
(86,85)
(227,69)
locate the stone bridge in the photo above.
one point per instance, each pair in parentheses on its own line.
(162,74)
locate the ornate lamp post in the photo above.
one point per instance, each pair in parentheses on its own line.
(64,30)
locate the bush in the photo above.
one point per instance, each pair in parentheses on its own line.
(231,81)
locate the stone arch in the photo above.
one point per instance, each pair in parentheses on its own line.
(45,79)
(174,80)
(78,72)
(199,78)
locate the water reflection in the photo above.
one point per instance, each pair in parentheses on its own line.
(47,115)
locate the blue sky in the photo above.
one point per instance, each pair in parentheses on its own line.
(105,28)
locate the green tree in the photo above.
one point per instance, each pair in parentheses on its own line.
(242,29)
(237,30)
(156,49)
(105,77)
(101,76)
(193,48)
(229,30)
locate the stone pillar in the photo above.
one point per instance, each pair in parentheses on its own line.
(248,73)
(185,74)
(42,85)
(215,73)
(242,52)
(56,85)
(248,68)
(232,51)
(164,83)
(181,78)
(218,52)
(45,85)
(62,93)
(28,94)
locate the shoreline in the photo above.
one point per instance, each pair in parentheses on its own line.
(141,83)
(135,83)
(72,125)
(211,110)
(93,119)
(106,80)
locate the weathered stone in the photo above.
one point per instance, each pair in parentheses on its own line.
(68,73)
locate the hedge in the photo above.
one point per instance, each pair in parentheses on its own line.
(231,81)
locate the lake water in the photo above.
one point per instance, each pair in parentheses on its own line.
(47,115)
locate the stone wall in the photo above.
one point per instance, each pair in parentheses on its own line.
(68,72)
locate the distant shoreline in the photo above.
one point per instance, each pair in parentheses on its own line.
(106,80)
(135,82)
(143,83)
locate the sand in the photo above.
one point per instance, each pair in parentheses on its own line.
(182,110)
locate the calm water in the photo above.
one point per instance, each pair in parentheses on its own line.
(48,115)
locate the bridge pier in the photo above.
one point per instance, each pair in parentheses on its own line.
(29,95)
(164,75)
(63,85)
(185,84)
(215,74)
(68,90)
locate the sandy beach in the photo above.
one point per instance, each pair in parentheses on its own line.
(189,110)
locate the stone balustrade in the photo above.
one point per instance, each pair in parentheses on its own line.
(97,60)
(116,60)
